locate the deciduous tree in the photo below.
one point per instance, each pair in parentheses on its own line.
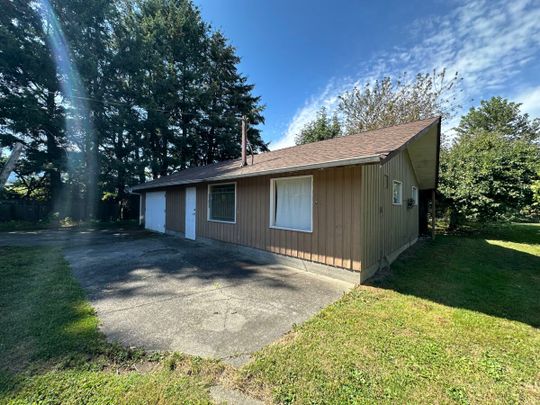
(489,171)
(389,101)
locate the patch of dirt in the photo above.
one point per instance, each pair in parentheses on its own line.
(139,367)
(227,395)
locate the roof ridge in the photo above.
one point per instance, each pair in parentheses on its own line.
(311,143)
(432,118)
(337,149)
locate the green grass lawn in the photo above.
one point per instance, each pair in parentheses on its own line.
(52,352)
(454,321)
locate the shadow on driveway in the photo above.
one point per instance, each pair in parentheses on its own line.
(167,293)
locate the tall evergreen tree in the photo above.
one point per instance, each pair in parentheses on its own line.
(170,36)
(161,92)
(30,107)
(227,98)
(321,128)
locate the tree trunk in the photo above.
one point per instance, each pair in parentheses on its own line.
(91,177)
(53,171)
(10,164)
(454,219)
(54,155)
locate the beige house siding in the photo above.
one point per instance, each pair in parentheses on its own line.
(335,238)
(355,224)
(387,227)
(175,202)
(371,189)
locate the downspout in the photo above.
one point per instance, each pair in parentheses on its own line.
(434,191)
(244,142)
(141,214)
(383,262)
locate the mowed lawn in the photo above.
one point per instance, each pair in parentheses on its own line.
(455,321)
(52,352)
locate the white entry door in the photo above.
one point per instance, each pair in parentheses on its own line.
(191,212)
(154,218)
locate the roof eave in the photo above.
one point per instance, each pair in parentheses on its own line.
(437,173)
(334,163)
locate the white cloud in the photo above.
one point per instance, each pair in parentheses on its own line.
(530,99)
(486,42)
(327,98)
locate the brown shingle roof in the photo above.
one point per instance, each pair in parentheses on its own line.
(365,147)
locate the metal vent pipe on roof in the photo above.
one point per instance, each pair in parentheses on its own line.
(244,142)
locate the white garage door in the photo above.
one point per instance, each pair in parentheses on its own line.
(154,218)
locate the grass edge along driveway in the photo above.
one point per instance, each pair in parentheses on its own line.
(455,321)
(51,350)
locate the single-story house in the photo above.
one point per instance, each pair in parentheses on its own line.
(350,203)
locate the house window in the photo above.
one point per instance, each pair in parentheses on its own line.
(291,202)
(222,202)
(414,195)
(397,192)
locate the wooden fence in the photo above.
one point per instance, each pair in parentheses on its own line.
(33,211)
(21,210)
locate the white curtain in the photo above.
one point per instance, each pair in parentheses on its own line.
(293,204)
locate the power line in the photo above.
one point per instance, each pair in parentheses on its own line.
(105,101)
(123,104)
(44,110)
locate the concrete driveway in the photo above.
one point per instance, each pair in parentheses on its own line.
(166,293)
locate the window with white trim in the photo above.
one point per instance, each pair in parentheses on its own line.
(414,195)
(291,203)
(397,192)
(222,202)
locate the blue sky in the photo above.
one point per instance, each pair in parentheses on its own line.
(302,54)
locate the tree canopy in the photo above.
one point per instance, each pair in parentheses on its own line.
(161,88)
(321,128)
(491,169)
(389,102)
(503,116)
(385,103)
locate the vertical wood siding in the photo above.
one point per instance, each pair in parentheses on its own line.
(387,227)
(336,236)
(175,201)
(372,183)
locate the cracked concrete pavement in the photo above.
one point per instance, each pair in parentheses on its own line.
(167,293)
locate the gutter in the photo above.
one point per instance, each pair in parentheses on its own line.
(130,191)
